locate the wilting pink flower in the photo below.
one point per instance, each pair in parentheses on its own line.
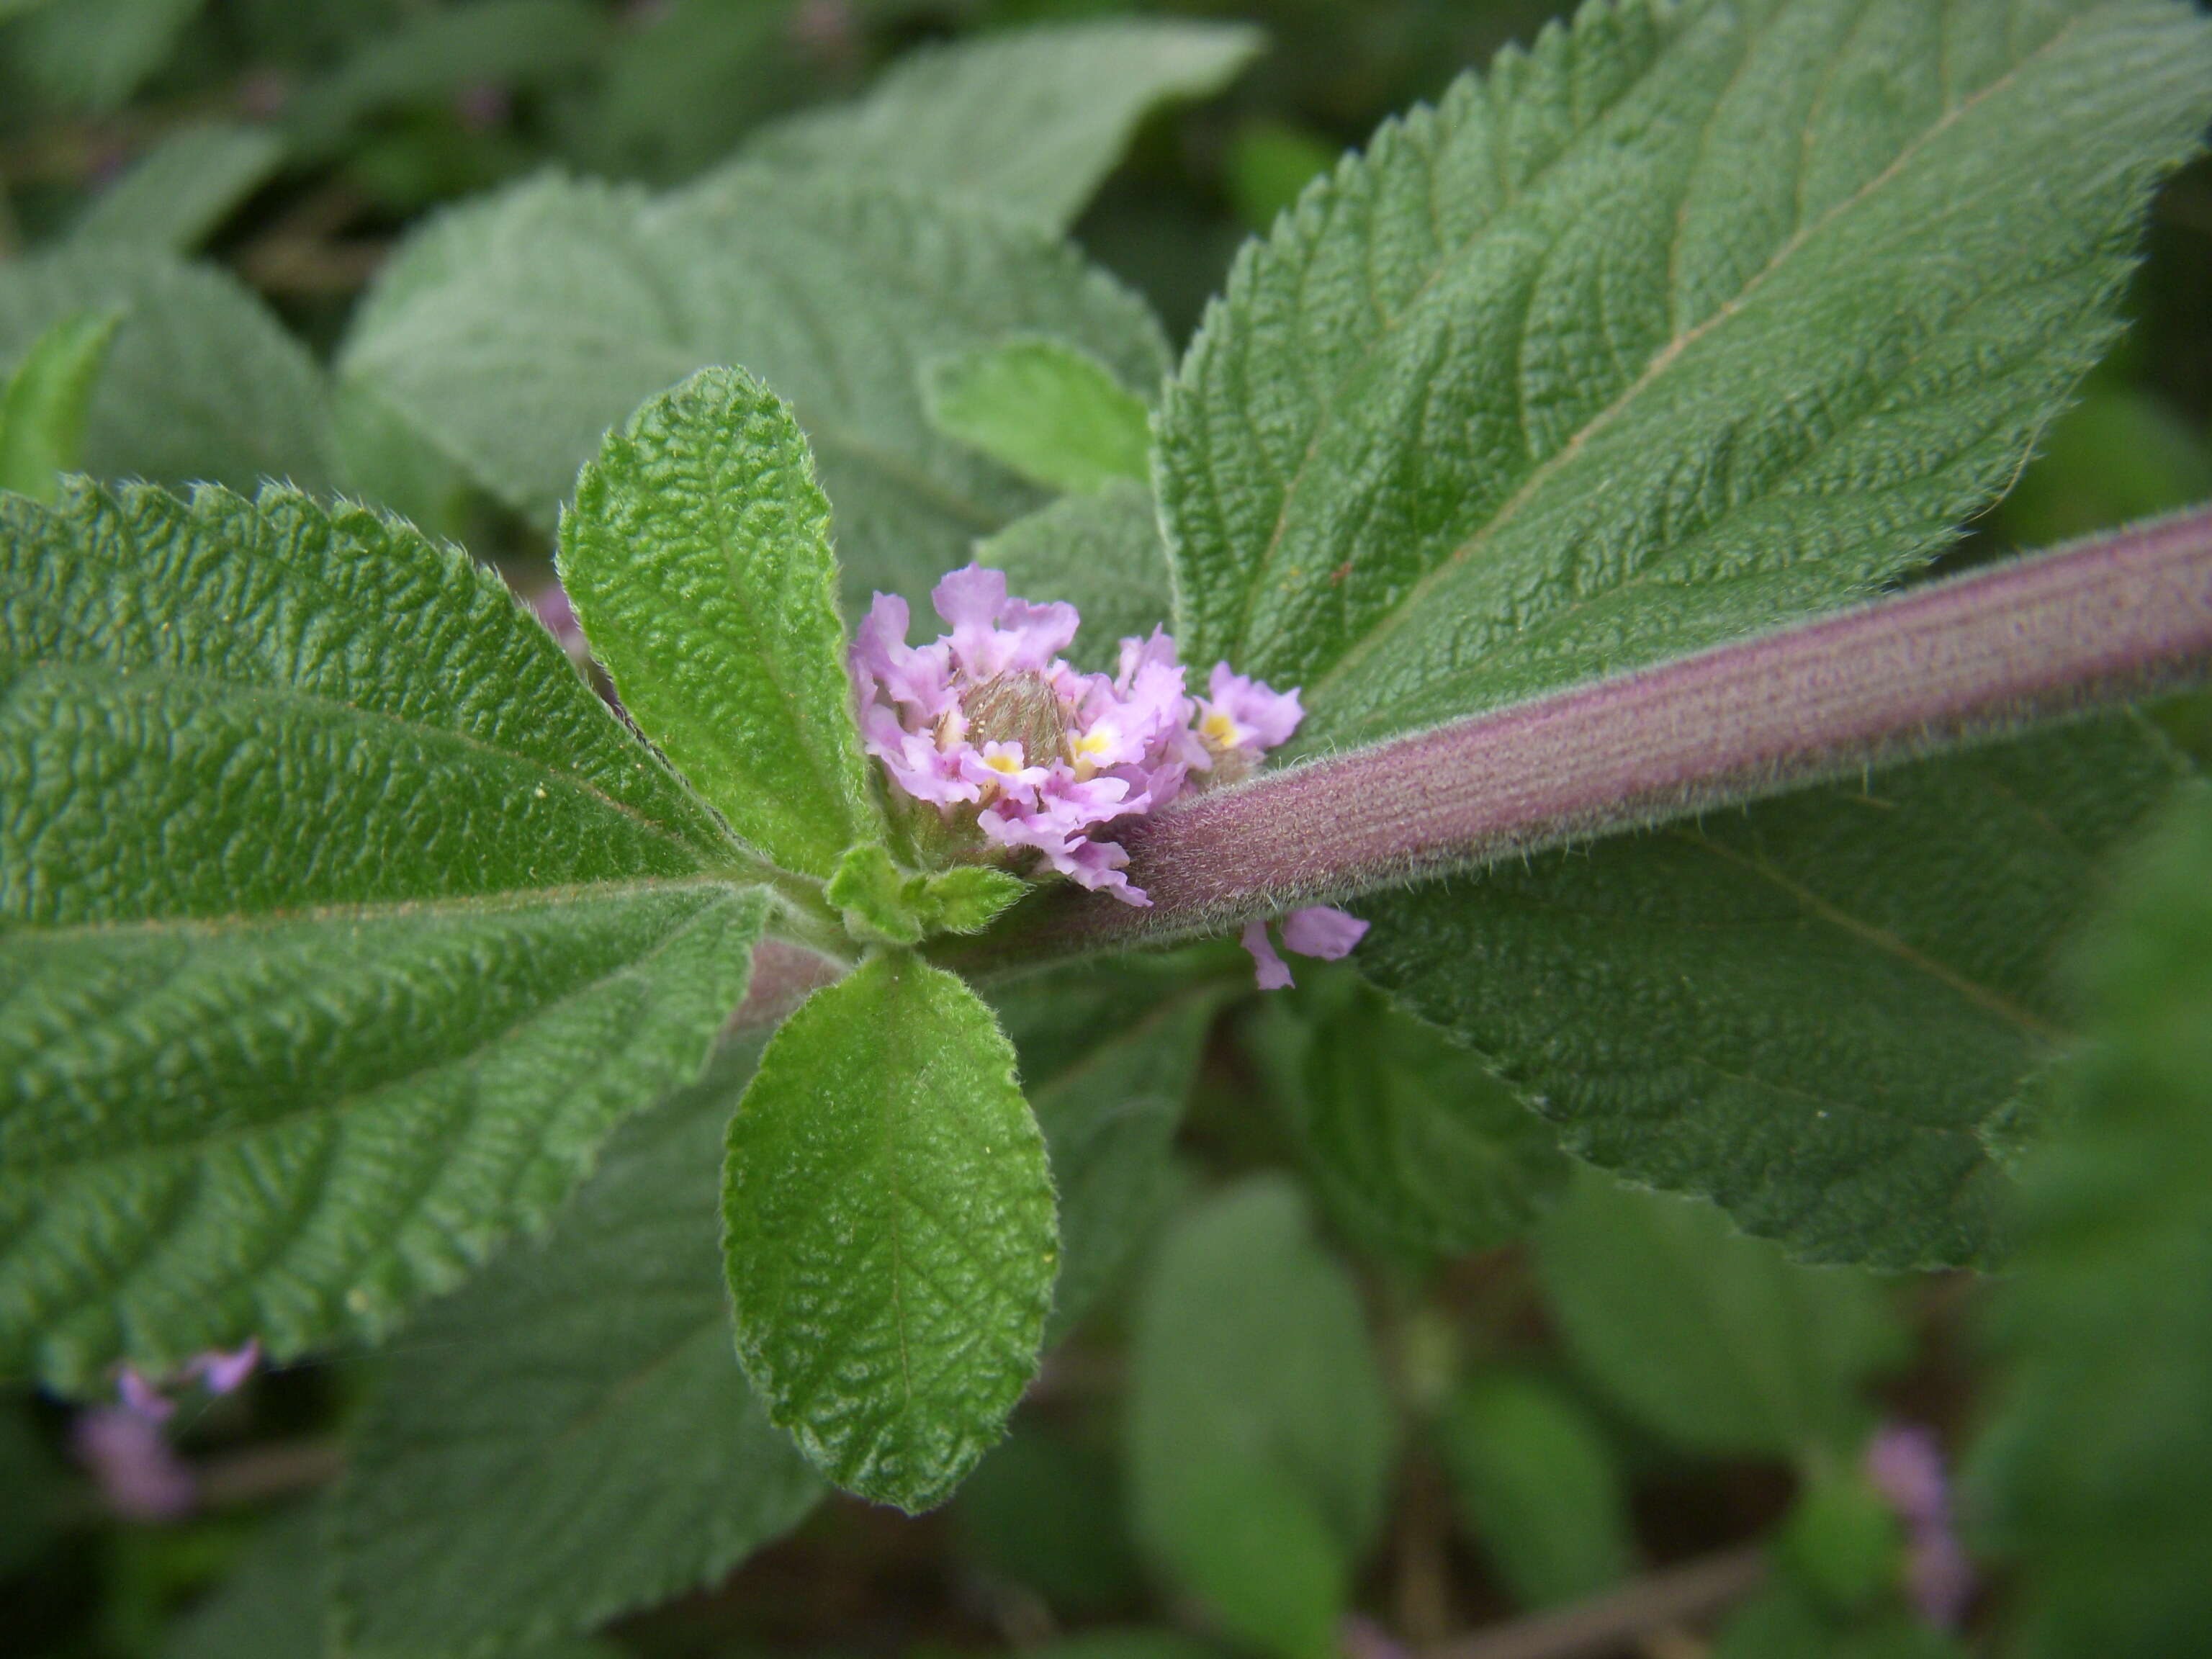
(989,726)
(1904,1464)
(1316,931)
(137,1472)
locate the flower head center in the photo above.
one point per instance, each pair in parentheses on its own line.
(1017,707)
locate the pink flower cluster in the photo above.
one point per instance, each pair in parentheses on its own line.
(991,728)
(989,717)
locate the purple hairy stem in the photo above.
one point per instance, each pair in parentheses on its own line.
(1969,658)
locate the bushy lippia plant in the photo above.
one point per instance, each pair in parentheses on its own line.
(1522,483)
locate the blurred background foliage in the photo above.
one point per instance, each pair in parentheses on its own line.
(1387,1365)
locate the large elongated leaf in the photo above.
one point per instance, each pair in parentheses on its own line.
(1025,124)
(888,1228)
(569,1436)
(1688,320)
(2098,1471)
(202,384)
(515,332)
(1814,1012)
(338,922)
(698,558)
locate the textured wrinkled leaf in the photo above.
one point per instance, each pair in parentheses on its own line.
(43,403)
(1414,1149)
(1108,1055)
(1102,554)
(202,383)
(2097,1473)
(515,331)
(569,1436)
(181,191)
(338,922)
(1688,320)
(1713,1339)
(1025,123)
(1539,1488)
(888,1230)
(1818,1011)
(697,557)
(1053,414)
(1259,1435)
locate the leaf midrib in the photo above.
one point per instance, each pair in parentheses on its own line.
(1667,356)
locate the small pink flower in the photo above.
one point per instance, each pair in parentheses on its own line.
(1316,931)
(141,1477)
(988,719)
(1904,1464)
(222,1373)
(1240,713)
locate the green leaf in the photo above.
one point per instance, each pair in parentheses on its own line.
(889,1231)
(967,898)
(203,382)
(1414,1149)
(181,191)
(1108,1051)
(338,922)
(433,52)
(271,1604)
(2098,1470)
(1025,123)
(1102,554)
(515,331)
(43,405)
(876,897)
(1259,1436)
(1713,1339)
(1049,412)
(91,55)
(570,1437)
(697,557)
(1782,1621)
(1689,319)
(1539,1488)
(1813,1011)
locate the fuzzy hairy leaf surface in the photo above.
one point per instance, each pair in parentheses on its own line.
(2097,1473)
(203,381)
(182,190)
(1025,123)
(1108,1055)
(1101,553)
(569,1435)
(697,557)
(1053,414)
(1414,1149)
(1713,1339)
(1257,1433)
(516,331)
(338,922)
(1687,320)
(888,1230)
(1817,1011)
